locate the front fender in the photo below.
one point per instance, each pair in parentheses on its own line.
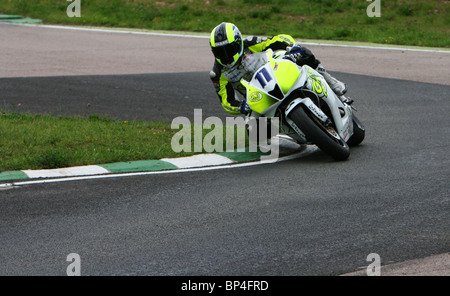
(310,105)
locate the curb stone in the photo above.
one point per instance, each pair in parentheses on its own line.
(287,147)
(199,160)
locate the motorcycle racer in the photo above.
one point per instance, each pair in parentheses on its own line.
(229,50)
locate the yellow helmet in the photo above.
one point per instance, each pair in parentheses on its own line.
(227,44)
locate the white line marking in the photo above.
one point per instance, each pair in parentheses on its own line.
(113,31)
(308,150)
(437,50)
(376,47)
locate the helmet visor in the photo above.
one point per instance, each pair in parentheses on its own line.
(227,54)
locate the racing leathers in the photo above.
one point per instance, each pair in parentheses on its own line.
(227,80)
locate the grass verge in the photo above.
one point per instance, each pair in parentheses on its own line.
(35,141)
(414,22)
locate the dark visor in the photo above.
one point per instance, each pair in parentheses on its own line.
(226,52)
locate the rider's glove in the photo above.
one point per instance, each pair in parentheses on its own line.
(245,108)
(294,52)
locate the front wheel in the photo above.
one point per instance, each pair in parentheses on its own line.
(324,137)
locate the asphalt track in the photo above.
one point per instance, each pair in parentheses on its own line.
(309,216)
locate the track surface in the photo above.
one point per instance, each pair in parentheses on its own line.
(310,216)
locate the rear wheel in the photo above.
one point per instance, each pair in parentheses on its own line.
(325,137)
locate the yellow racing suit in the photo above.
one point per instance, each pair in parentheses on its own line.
(227,81)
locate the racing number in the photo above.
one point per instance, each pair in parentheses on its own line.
(263,77)
(318,86)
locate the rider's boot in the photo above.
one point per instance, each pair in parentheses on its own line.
(337,86)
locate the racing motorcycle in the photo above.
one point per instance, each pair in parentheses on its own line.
(307,108)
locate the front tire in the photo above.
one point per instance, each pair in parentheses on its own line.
(326,138)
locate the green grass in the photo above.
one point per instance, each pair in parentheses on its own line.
(33,141)
(415,22)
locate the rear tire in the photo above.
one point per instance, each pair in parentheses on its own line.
(326,138)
